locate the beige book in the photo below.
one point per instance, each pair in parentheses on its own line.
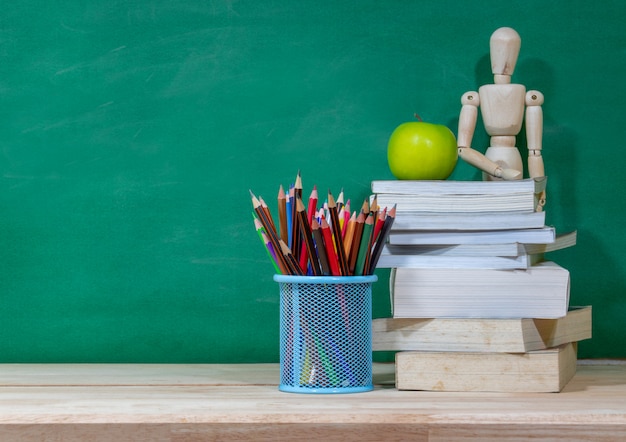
(540,371)
(480,335)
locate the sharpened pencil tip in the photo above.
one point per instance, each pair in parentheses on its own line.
(331,199)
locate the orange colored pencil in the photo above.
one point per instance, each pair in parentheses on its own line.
(349,235)
(356,241)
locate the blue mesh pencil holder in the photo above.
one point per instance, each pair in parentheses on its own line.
(325,333)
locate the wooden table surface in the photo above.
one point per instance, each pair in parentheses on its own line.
(74,402)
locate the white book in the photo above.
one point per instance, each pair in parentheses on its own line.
(515,202)
(562,241)
(392,257)
(474,250)
(512,249)
(452,187)
(541,291)
(468,221)
(542,235)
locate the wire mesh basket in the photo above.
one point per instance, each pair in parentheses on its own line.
(325,333)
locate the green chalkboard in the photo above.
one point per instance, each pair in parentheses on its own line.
(132,131)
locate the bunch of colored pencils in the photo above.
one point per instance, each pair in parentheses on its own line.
(327,240)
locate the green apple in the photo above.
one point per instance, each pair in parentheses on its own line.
(422,151)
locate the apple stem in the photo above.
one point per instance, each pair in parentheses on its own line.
(418,117)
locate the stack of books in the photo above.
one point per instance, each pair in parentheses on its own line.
(476,305)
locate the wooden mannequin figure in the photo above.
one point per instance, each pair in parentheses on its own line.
(502,107)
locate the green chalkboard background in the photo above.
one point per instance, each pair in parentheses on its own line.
(132,131)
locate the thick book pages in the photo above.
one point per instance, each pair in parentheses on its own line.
(562,241)
(450,196)
(541,291)
(480,335)
(469,255)
(452,187)
(398,256)
(468,221)
(541,371)
(519,202)
(503,249)
(542,235)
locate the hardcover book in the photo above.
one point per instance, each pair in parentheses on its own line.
(480,335)
(540,371)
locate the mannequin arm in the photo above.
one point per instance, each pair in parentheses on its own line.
(467,119)
(483,163)
(534,134)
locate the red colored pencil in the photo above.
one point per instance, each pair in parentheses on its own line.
(380,220)
(329,244)
(382,239)
(309,216)
(308,247)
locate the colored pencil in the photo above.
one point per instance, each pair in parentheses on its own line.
(336,227)
(356,241)
(305,227)
(339,200)
(326,240)
(342,218)
(268,214)
(374,209)
(365,245)
(321,249)
(289,210)
(349,236)
(312,206)
(382,239)
(365,207)
(329,244)
(292,263)
(296,235)
(266,241)
(282,214)
(378,224)
(346,219)
(256,204)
